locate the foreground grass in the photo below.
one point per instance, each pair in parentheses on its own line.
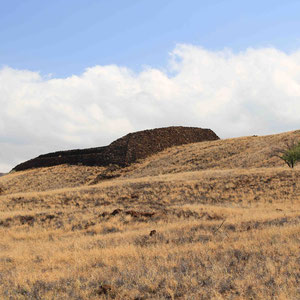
(94,242)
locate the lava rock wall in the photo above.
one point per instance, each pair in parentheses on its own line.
(124,151)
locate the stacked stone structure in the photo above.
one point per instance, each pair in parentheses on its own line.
(123,151)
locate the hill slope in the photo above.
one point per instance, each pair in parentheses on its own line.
(210,220)
(237,153)
(244,152)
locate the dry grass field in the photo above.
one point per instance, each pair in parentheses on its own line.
(210,220)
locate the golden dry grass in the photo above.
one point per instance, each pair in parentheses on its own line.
(226,215)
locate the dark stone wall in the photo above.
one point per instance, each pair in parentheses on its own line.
(124,151)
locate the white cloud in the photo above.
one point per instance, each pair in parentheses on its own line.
(252,92)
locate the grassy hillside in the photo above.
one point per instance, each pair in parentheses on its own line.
(237,153)
(224,219)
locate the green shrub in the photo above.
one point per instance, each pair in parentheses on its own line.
(291,154)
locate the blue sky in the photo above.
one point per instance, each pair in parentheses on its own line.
(78,74)
(65,37)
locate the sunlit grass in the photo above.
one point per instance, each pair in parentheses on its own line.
(225,232)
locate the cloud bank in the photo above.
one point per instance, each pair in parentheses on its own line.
(235,94)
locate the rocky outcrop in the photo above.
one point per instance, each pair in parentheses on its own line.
(124,151)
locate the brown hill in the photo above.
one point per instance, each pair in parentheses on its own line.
(124,151)
(229,154)
(210,220)
(235,153)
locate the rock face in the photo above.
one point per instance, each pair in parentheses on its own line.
(124,151)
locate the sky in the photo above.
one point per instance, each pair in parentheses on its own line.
(82,73)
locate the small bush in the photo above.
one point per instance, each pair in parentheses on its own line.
(291,154)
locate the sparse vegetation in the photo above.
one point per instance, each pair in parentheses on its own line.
(179,225)
(290,154)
